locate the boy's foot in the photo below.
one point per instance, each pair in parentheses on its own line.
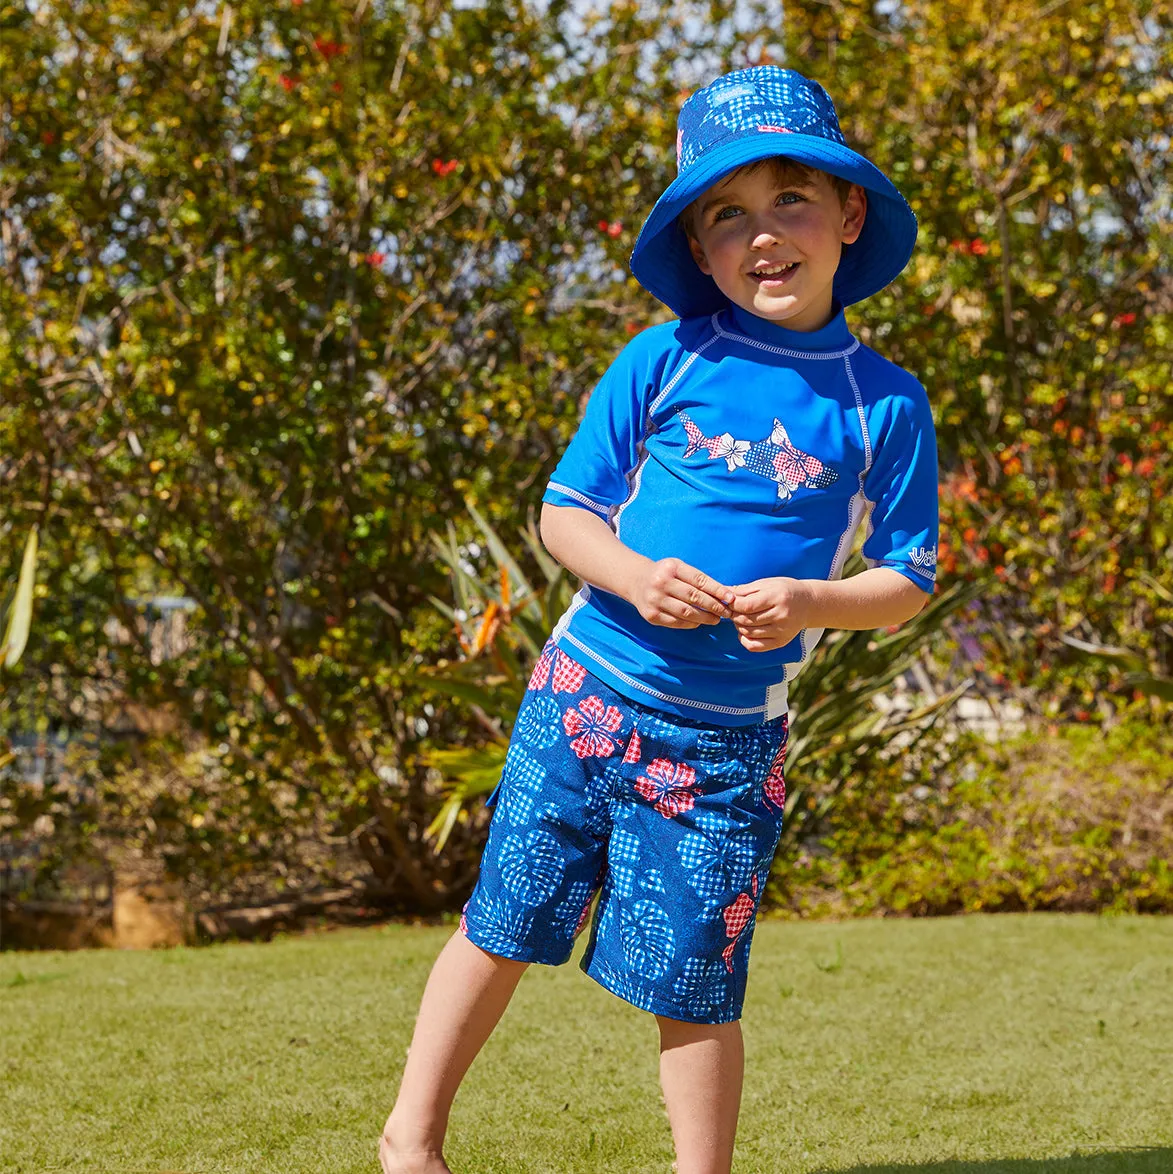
(394,1159)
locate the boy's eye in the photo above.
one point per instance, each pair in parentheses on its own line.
(726,212)
(788,198)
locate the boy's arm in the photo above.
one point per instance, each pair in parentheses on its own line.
(769,613)
(669,593)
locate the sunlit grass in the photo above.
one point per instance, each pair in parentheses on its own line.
(961,1046)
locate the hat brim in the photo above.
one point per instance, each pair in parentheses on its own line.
(663,263)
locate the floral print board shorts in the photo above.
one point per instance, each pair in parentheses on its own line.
(673,823)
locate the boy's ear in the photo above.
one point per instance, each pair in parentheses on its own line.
(698,255)
(855,210)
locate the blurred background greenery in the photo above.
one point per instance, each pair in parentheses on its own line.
(301,300)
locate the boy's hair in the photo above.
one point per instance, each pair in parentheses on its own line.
(784,170)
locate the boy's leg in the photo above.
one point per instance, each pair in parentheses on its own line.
(701,1067)
(466,994)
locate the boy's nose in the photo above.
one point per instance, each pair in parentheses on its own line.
(763,232)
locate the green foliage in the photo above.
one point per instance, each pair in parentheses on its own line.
(1076,821)
(285,284)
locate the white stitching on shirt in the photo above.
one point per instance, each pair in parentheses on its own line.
(778,350)
(597,507)
(863,423)
(732,711)
(675,378)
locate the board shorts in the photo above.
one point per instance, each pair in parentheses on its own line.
(672,823)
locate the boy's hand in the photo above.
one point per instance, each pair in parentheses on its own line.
(769,613)
(672,594)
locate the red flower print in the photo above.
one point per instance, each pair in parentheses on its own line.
(541,673)
(775,788)
(669,786)
(568,674)
(631,754)
(589,726)
(737,916)
(582,917)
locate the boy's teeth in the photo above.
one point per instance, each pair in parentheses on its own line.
(774,270)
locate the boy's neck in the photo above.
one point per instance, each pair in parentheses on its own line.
(831,336)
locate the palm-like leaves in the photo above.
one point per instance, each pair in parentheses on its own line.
(503,620)
(16,615)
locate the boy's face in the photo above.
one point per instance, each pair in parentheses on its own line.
(755,222)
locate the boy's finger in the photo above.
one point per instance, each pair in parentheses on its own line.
(693,614)
(748,605)
(696,588)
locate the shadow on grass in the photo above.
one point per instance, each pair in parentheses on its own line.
(1149,1160)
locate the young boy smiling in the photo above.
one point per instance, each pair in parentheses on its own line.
(708,502)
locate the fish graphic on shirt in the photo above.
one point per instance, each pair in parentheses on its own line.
(776,457)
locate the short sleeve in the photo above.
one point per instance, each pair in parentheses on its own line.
(902,487)
(592,473)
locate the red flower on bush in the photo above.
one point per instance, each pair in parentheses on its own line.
(376,258)
(1123,320)
(442,168)
(329,49)
(612,228)
(288,82)
(48,137)
(978,247)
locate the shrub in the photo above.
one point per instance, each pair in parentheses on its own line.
(1075,820)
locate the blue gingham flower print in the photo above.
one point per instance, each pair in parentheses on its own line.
(648,940)
(539,724)
(522,781)
(531,868)
(704,984)
(716,860)
(501,925)
(572,909)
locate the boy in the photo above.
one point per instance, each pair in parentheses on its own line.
(708,503)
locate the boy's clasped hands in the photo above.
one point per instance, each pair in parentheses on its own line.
(767,613)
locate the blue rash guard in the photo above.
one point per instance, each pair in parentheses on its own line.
(749,451)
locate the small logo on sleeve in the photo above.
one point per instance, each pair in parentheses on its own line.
(923,556)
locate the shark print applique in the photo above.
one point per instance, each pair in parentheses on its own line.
(775,457)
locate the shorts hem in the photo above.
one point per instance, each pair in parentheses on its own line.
(514,951)
(645,1001)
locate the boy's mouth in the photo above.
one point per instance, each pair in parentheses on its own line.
(774,275)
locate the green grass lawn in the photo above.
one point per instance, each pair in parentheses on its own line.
(977,1045)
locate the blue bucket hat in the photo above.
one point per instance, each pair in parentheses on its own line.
(755,114)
